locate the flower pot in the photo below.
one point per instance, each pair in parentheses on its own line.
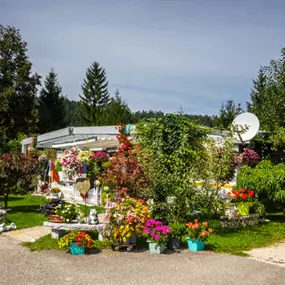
(243,209)
(195,245)
(75,249)
(55,195)
(55,219)
(156,248)
(174,244)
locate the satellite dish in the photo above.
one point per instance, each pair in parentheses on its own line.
(246,126)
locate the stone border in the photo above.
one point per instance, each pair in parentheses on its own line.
(239,221)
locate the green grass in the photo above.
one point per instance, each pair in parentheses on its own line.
(25,211)
(236,241)
(44,243)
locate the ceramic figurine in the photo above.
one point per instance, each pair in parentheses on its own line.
(93,217)
(4,228)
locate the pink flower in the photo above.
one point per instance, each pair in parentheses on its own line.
(156,237)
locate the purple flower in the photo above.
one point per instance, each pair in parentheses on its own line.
(152,234)
(146,230)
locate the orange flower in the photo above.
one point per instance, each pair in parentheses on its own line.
(204,233)
(195,226)
(243,195)
(189,224)
(210,231)
(196,221)
(205,224)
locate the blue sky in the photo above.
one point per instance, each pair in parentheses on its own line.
(160,54)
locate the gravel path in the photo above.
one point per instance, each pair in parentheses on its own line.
(20,266)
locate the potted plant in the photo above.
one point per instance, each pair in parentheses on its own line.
(55,192)
(175,236)
(69,212)
(242,198)
(127,219)
(198,233)
(157,234)
(76,242)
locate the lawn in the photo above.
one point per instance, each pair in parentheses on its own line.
(25,213)
(237,241)
(25,210)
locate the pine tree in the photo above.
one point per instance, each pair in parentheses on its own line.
(227,114)
(95,98)
(52,105)
(118,111)
(18,87)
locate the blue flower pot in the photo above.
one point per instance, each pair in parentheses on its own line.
(195,245)
(75,249)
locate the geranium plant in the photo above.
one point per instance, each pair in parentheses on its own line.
(69,161)
(128,218)
(241,195)
(82,239)
(156,231)
(198,231)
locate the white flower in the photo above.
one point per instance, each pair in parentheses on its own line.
(106,188)
(97,182)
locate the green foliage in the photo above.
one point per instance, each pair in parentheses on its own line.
(227,114)
(43,243)
(177,230)
(18,87)
(52,105)
(268,100)
(95,98)
(267,180)
(16,169)
(12,145)
(117,111)
(170,147)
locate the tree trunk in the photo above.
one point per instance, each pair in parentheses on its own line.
(6,200)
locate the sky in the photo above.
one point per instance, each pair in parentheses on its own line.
(160,54)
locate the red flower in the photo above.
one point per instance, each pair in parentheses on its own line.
(243,195)
(205,224)
(242,190)
(204,233)
(250,193)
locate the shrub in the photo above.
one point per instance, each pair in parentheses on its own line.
(266,180)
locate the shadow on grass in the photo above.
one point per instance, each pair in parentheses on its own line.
(25,209)
(11,199)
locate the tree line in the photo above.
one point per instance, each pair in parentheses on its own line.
(28,107)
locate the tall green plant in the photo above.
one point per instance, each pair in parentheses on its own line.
(170,147)
(267,180)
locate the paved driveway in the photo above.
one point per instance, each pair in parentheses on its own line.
(19,266)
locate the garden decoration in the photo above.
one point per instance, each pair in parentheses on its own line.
(242,199)
(76,242)
(83,188)
(93,217)
(198,233)
(4,228)
(2,213)
(127,220)
(157,234)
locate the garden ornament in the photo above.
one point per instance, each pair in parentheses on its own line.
(4,228)
(83,187)
(2,214)
(93,217)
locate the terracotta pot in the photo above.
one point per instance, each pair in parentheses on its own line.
(55,219)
